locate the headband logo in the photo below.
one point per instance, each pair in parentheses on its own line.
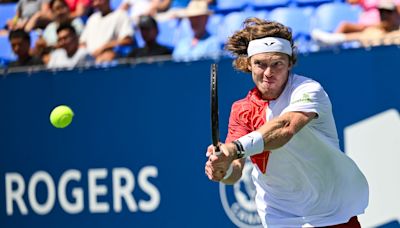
(269,44)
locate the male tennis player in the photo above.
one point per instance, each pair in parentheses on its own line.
(285,125)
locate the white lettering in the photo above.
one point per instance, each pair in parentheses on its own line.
(126,191)
(97,190)
(47,206)
(16,194)
(150,189)
(72,208)
(41,191)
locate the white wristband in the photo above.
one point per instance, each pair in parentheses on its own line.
(253,143)
(228,172)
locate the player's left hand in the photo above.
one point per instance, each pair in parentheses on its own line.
(217,165)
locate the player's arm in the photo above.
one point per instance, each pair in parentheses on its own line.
(279,131)
(272,135)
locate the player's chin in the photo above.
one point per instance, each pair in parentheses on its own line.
(264,87)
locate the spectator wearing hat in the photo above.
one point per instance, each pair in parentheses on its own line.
(105,30)
(149,31)
(200,44)
(386,32)
(20,43)
(69,54)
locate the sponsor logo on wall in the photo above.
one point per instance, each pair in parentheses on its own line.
(22,191)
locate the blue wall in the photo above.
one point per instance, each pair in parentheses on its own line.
(154,117)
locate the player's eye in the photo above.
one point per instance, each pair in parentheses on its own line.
(260,64)
(277,64)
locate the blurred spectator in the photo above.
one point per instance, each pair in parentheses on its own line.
(31,14)
(62,15)
(69,54)
(138,8)
(105,30)
(79,8)
(165,5)
(386,32)
(169,9)
(149,31)
(8,1)
(370,16)
(201,44)
(20,43)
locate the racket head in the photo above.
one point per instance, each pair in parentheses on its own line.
(214,106)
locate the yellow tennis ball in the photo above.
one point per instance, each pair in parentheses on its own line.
(61,116)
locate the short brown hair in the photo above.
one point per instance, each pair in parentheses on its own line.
(255,28)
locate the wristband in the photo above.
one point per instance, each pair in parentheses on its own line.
(252,143)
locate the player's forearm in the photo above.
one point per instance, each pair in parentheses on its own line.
(272,135)
(276,133)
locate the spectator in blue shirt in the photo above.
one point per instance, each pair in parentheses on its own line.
(201,44)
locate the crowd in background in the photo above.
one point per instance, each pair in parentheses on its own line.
(77,31)
(74,32)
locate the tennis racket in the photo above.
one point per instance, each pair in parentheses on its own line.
(214,107)
(215,114)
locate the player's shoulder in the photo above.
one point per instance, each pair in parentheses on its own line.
(242,104)
(243,101)
(299,82)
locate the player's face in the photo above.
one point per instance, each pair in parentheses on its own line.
(270,72)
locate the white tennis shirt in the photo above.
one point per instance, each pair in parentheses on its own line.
(309,181)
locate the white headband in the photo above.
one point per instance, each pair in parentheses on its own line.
(269,44)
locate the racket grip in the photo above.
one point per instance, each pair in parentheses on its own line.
(228,172)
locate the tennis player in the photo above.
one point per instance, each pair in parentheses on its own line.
(286,127)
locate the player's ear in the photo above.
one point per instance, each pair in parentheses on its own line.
(290,63)
(249,64)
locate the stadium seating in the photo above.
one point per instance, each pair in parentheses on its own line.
(263,14)
(6,51)
(270,4)
(311,2)
(115,4)
(231,23)
(7,11)
(301,15)
(294,17)
(167,32)
(230,5)
(328,16)
(183,30)
(213,24)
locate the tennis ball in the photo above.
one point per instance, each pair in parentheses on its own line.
(61,116)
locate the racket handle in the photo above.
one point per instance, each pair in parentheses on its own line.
(217,153)
(228,172)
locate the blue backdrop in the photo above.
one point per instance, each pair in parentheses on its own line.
(148,124)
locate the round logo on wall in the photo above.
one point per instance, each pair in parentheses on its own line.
(238,200)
